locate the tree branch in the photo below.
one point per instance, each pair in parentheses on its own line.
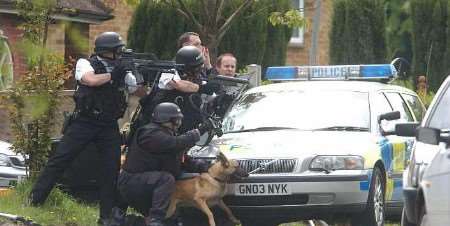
(205,11)
(189,14)
(236,13)
(218,11)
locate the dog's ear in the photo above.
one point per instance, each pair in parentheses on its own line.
(223,159)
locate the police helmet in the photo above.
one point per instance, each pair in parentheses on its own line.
(190,56)
(166,112)
(108,42)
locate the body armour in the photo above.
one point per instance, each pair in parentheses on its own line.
(164,154)
(106,102)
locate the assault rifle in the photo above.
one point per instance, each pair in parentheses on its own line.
(147,65)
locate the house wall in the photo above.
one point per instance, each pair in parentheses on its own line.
(299,55)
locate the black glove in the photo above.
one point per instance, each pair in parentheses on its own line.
(209,88)
(118,74)
(205,126)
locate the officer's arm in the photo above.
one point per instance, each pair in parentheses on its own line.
(163,142)
(184,86)
(91,79)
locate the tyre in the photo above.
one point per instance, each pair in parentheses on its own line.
(374,214)
(422,216)
(405,221)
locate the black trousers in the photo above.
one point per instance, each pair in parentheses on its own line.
(81,132)
(148,192)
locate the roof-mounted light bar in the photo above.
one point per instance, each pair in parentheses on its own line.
(332,72)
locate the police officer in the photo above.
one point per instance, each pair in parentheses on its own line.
(155,158)
(100,101)
(178,87)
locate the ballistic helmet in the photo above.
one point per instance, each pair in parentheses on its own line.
(190,56)
(108,42)
(166,112)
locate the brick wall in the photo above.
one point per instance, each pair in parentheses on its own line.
(122,19)
(56,38)
(9,25)
(299,55)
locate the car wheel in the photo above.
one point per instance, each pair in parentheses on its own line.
(374,214)
(422,216)
(405,221)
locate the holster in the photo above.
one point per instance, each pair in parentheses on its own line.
(68,119)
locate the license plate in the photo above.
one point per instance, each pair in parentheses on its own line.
(254,189)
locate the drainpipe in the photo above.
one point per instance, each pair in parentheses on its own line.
(315,33)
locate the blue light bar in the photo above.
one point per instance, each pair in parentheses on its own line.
(333,72)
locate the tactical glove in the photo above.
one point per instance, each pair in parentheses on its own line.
(209,88)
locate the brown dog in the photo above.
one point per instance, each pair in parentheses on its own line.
(207,189)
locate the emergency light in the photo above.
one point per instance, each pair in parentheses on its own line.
(333,72)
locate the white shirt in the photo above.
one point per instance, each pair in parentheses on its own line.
(165,78)
(83,66)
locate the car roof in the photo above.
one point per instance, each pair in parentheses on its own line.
(358,86)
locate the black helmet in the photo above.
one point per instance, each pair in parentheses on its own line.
(166,112)
(108,42)
(190,56)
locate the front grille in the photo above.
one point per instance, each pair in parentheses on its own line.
(267,166)
(16,162)
(297,199)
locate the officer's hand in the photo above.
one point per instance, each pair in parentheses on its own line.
(118,73)
(205,126)
(209,88)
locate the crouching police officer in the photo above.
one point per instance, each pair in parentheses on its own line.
(178,88)
(100,98)
(155,159)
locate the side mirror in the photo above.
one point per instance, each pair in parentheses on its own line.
(406,129)
(389,116)
(428,135)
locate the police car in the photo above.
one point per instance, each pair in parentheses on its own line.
(319,145)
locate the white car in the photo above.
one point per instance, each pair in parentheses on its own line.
(426,182)
(318,149)
(12,166)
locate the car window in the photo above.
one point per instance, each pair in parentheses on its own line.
(398,104)
(380,104)
(416,106)
(440,118)
(306,110)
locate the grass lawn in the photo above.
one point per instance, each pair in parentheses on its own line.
(59,210)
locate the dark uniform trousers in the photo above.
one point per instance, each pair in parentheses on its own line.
(81,132)
(148,192)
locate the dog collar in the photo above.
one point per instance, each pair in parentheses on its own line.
(219,180)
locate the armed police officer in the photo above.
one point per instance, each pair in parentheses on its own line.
(103,81)
(155,159)
(183,88)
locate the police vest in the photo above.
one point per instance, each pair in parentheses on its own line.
(141,160)
(104,103)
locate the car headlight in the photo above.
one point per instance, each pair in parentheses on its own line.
(4,160)
(344,162)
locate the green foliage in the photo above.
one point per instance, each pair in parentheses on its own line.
(430,34)
(399,29)
(292,18)
(33,100)
(59,209)
(357,34)
(251,37)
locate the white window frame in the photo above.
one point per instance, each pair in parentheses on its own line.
(297,38)
(6,58)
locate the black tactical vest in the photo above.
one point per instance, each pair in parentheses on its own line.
(104,103)
(141,160)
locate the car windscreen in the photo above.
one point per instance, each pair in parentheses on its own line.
(440,116)
(304,110)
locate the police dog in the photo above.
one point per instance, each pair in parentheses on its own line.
(208,189)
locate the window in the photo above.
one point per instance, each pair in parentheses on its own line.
(440,117)
(398,104)
(297,34)
(416,106)
(6,64)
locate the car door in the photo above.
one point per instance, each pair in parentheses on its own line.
(400,147)
(436,179)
